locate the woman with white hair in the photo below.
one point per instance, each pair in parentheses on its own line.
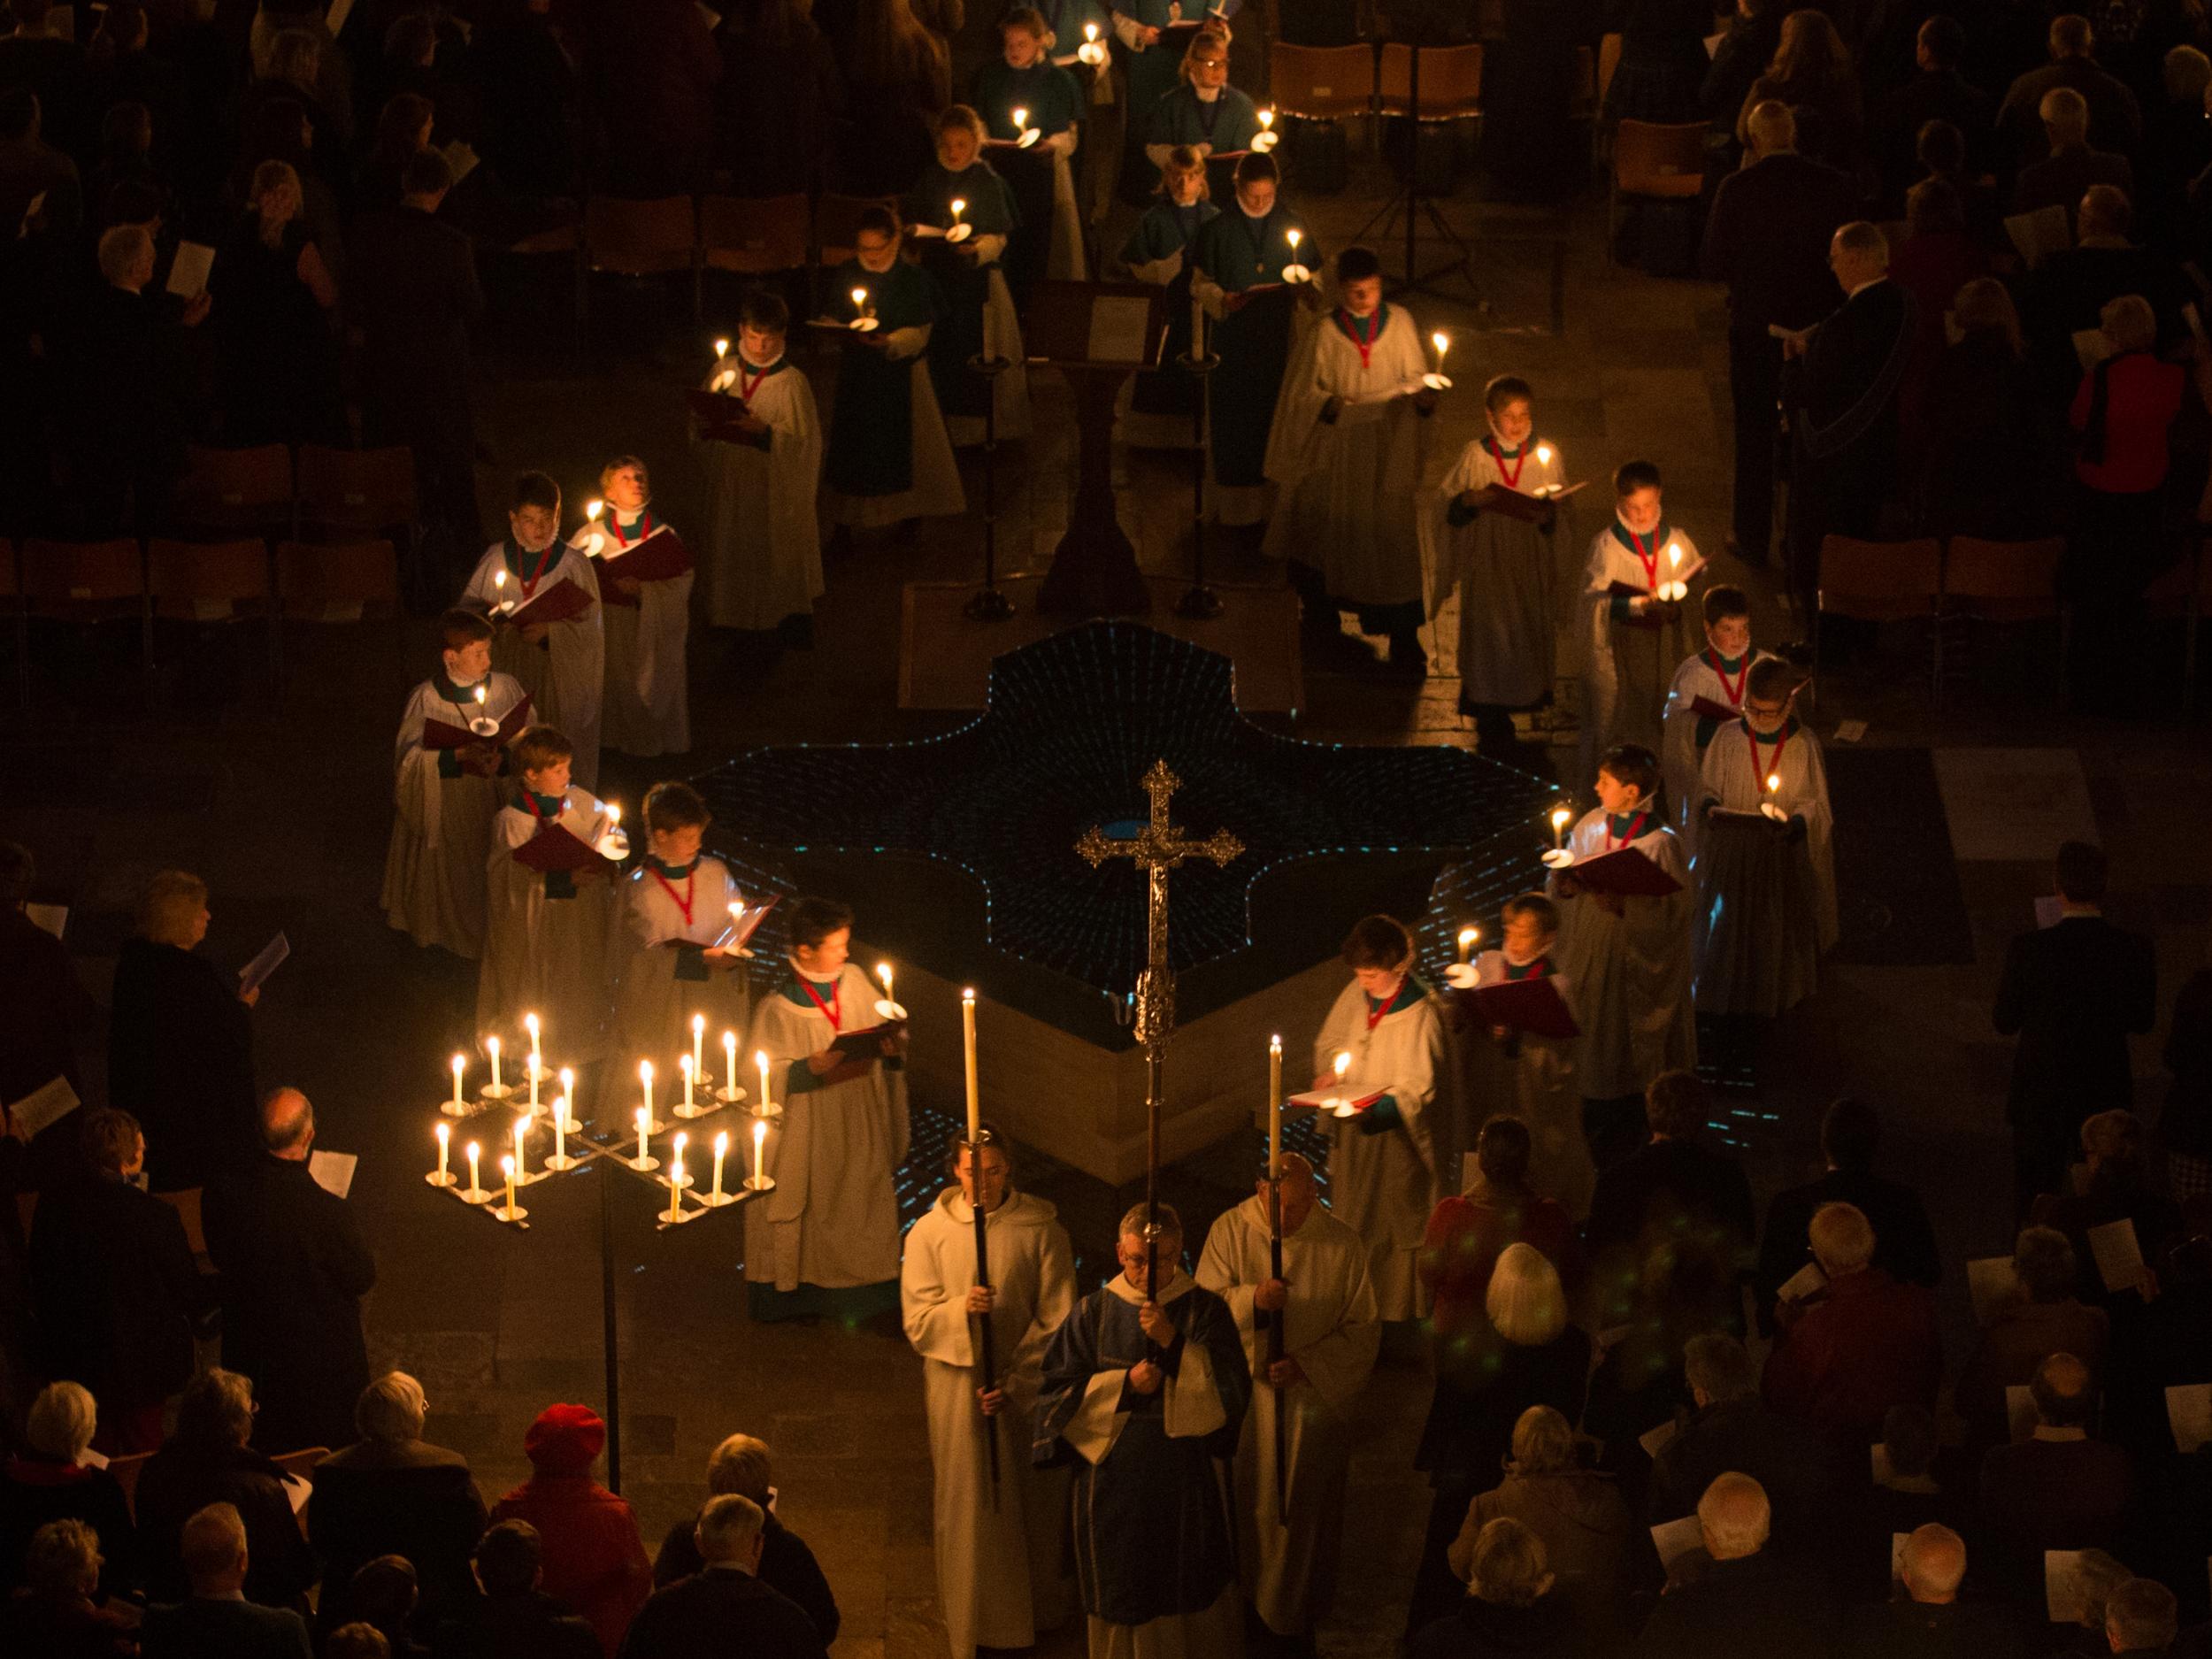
(58,1613)
(1512,1608)
(52,1480)
(1579,1515)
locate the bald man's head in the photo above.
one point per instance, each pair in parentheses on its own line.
(1935,1561)
(1733,1518)
(1301,1191)
(287,1123)
(2061,1391)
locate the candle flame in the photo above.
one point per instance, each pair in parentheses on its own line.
(593,509)
(1343,1064)
(614,815)
(1560,815)
(492,1043)
(698,1025)
(445,1133)
(460,1064)
(968,995)
(760,1133)
(506,1166)
(721,350)
(1294,238)
(958,207)
(860,296)
(1275,1045)
(1267,118)
(530,1024)
(473,1149)
(760,1058)
(883,972)
(1468,935)
(1774,783)
(683,1063)
(1443,342)
(683,1139)
(1674,555)
(568,1079)
(721,1142)
(1543,455)
(642,1120)
(1021,119)
(1090,31)
(480,696)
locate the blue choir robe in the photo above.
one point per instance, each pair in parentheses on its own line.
(1159,405)
(1234,253)
(1220,129)
(888,457)
(978,317)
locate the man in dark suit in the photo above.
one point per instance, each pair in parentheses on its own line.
(1745,1600)
(2058,1489)
(2072,992)
(1905,1244)
(118,1296)
(414,293)
(725,1607)
(741,1465)
(513,1616)
(50,1017)
(2071,290)
(215,1621)
(2142,1620)
(1939,92)
(2116,121)
(1767,238)
(52,67)
(293,1268)
(1930,1621)
(1733,1428)
(2071,166)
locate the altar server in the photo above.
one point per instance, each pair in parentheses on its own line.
(889,459)
(825,1241)
(1147,1394)
(1000,1550)
(979,318)
(1288,1553)
(1048,240)
(1240,254)
(1386,1159)
(648,702)
(1634,636)
(676,905)
(764,543)
(1348,439)
(562,665)
(1158,404)
(1504,563)
(548,934)
(1716,677)
(1627,959)
(1766,884)
(1203,111)
(434,871)
(1529,1075)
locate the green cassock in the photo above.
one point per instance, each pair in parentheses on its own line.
(871,434)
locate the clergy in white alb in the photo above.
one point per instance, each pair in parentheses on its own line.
(1529,1074)
(645,579)
(1287,1553)
(1389,1152)
(764,543)
(1002,1551)
(433,871)
(1707,693)
(1147,1400)
(826,1240)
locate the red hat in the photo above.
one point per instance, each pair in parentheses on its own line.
(565,1440)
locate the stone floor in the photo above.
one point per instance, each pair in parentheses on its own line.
(282,801)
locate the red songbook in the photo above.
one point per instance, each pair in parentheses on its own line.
(561,601)
(1531,1005)
(1706,709)
(1500,498)
(716,413)
(438,734)
(557,848)
(1655,618)
(744,922)
(1312,1101)
(659,557)
(1624,872)
(866,1045)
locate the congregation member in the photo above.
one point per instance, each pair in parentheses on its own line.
(745,1466)
(1533,1073)
(219,1619)
(725,1595)
(54,1610)
(514,1615)
(55,1477)
(591,1558)
(1851,1136)
(208,1461)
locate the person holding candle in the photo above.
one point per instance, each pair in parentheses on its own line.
(1330,1338)
(999,1574)
(1709,682)
(889,459)
(647,691)
(1491,540)
(826,1240)
(1633,627)
(1387,1160)
(548,931)
(1203,111)
(1348,442)
(560,664)
(1047,239)
(1157,408)
(1531,1075)
(433,871)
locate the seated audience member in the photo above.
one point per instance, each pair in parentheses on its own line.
(205,1463)
(393,1492)
(1939,92)
(1513,1605)
(591,1556)
(1906,1496)
(1575,1514)
(1732,1429)
(2141,1619)
(1928,1619)
(1864,1344)
(359,1640)
(217,1620)
(1466,1232)
(1993,464)
(384,1595)
(50,1480)
(2068,293)
(2058,1489)
(57,1612)
(2116,121)
(513,1617)
(1745,1598)
(2046,1317)
(742,1465)
(2114,1187)
(699,1614)
(2071,167)
(1904,1242)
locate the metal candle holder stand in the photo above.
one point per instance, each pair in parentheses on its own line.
(989,605)
(1199,602)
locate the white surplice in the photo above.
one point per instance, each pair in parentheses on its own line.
(647,702)
(1001,1571)
(433,870)
(763,557)
(1505,575)
(652,1007)
(565,675)
(1622,703)
(1766,905)
(1681,757)
(544,955)
(1631,973)
(1288,1558)
(1535,1082)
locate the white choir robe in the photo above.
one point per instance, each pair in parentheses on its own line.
(1536,1083)
(1681,757)
(763,557)
(1631,973)
(564,676)
(1350,493)
(653,1008)
(1002,1569)
(1288,1560)
(648,704)
(1505,576)
(933,490)
(433,871)
(1625,686)
(544,956)
(1384,1185)
(833,1219)
(1766,905)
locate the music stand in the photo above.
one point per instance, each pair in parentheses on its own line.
(1413,201)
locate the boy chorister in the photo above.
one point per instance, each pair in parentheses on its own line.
(764,545)
(547,932)
(1534,1076)
(1635,636)
(647,617)
(433,874)
(1766,882)
(1503,557)
(674,906)
(1714,676)
(561,664)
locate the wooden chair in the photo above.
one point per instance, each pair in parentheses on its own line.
(345,578)
(186,1203)
(359,492)
(1879,582)
(753,235)
(2006,582)
(1654,163)
(627,238)
(87,582)
(248,490)
(837,223)
(2181,592)
(1451,82)
(209,581)
(1321,83)
(125,1470)
(300,1465)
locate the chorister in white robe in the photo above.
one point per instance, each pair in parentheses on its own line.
(1386,1164)
(763,557)
(1287,1558)
(1719,681)
(564,675)
(647,702)
(1532,1078)
(1766,892)
(1350,491)
(433,871)
(1630,656)
(664,979)
(1001,1571)
(1631,973)
(544,954)
(1504,574)
(832,1220)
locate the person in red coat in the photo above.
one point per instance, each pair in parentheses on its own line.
(1466,1232)
(1844,1356)
(593,1559)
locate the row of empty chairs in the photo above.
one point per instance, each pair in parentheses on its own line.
(267,489)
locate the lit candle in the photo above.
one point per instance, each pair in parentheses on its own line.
(721,1146)
(444,1177)
(1295,237)
(644,1122)
(1274,1109)
(967,1045)
(699,1044)
(676,1181)
(1443,344)
(566,1106)
(1021,122)
(1774,789)
(507,1168)
(493,1045)
(689,1074)
(1267,119)
(522,1133)
(460,1064)
(1559,816)
(1343,1064)
(560,1132)
(1674,569)
(883,972)
(593,509)
(958,208)
(1543,455)
(860,302)
(721,350)
(480,699)
(760,1057)
(537,1055)
(729,1062)
(645,1076)
(1467,937)
(475,1185)
(499,591)
(760,1143)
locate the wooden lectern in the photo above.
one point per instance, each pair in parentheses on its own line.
(1097,335)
